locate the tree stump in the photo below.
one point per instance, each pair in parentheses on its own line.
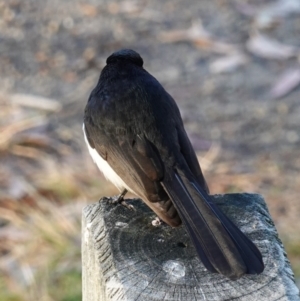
(125,257)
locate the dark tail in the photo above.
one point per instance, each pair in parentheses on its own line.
(221,246)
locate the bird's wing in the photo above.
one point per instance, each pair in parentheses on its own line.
(136,162)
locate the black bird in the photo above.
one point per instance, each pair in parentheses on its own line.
(135,135)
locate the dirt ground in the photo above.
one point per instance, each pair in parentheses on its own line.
(232,66)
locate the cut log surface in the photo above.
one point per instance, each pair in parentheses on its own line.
(125,257)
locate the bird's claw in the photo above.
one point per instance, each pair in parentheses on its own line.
(119,199)
(128,206)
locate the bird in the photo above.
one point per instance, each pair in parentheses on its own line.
(135,134)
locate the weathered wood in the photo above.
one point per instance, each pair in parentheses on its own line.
(125,257)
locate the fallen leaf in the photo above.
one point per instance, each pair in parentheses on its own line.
(126,7)
(269,14)
(197,35)
(36,102)
(88,9)
(286,83)
(268,48)
(196,31)
(228,63)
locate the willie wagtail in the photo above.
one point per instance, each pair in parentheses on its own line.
(135,134)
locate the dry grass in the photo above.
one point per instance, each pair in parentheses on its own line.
(43,191)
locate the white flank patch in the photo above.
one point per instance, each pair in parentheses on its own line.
(102,164)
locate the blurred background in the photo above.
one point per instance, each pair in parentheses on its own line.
(232,66)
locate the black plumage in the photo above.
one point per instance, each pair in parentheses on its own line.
(136,127)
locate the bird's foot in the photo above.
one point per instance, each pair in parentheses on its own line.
(119,200)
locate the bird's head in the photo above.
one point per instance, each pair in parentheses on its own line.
(124,55)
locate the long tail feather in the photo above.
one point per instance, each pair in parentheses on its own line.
(222,247)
